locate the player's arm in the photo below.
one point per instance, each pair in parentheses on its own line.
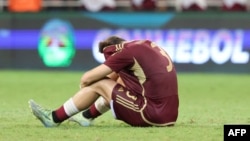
(94,75)
(114,76)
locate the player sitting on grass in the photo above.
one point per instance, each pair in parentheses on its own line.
(137,81)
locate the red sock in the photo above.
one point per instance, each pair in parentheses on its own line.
(93,111)
(59,115)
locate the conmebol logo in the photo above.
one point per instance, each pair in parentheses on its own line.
(187,46)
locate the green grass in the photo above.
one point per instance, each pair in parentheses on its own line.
(207,102)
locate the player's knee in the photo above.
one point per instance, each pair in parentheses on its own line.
(104,84)
(104,87)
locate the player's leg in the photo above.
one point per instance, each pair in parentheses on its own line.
(86,117)
(80,101)
(98,108)
(101,106)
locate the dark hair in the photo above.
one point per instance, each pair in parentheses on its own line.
(112,40)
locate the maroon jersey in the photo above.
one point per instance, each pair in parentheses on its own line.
(149,75)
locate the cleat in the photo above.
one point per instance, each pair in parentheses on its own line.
(81,120)
(44,115)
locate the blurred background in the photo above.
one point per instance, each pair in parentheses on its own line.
(199,35)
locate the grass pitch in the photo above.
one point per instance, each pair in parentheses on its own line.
(207,102)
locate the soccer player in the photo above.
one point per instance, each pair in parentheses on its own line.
(137,81)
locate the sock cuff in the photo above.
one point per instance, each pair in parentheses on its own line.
(70,107)
(101,106)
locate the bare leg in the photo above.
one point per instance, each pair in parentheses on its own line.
(98,108)
(88,95)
